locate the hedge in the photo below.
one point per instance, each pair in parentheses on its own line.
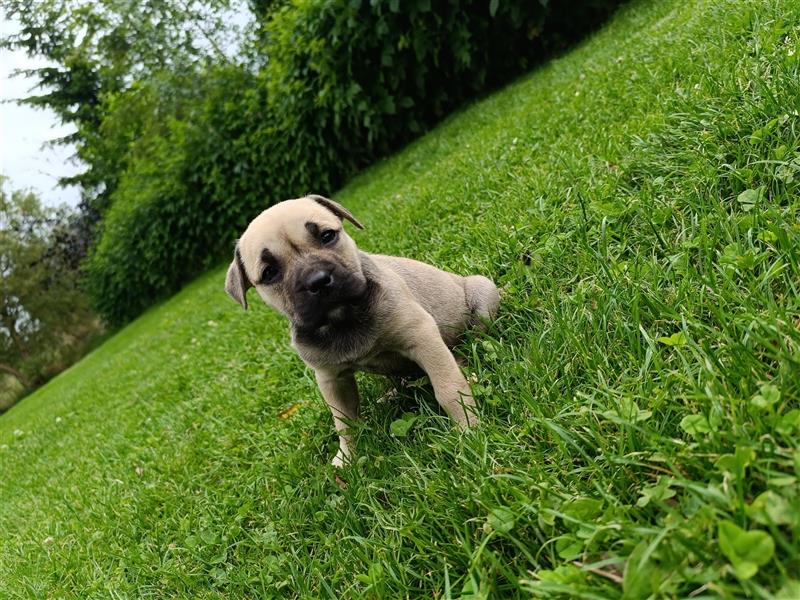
(340,84)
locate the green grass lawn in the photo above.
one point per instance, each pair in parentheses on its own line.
(638,202)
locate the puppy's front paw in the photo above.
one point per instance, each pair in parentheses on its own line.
(469,421)
(340,459)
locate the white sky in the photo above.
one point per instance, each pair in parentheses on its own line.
(24,131)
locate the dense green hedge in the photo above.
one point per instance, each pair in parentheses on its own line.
(344,84)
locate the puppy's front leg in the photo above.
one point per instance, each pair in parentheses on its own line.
(341,394)
(427,349)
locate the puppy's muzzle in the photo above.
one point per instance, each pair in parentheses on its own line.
(318,281)
(324,291)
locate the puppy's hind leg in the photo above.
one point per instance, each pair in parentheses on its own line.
(482,297)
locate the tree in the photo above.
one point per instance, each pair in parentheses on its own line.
(98,49)
(43,310)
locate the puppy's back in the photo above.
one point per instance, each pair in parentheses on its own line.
(440,293)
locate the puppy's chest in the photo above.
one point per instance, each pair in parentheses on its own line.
(354,357)
(386,363)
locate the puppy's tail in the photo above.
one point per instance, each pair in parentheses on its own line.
(482,298)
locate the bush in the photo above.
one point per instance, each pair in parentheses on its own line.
(356,79)
(345,83)
(177,202)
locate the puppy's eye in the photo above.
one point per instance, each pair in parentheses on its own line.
(328,236)
(269,274)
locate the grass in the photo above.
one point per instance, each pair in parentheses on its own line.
(638,202)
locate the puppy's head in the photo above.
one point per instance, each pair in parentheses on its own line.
(300,260)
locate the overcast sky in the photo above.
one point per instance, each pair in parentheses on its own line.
(24,131)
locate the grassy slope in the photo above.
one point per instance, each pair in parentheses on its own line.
(601,192)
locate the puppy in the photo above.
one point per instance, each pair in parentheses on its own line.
(350,310)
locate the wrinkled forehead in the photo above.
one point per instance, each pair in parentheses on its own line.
(282,228)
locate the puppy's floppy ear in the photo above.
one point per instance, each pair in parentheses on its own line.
(237,282)
(336,208)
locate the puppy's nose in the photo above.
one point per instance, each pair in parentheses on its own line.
(318,280)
